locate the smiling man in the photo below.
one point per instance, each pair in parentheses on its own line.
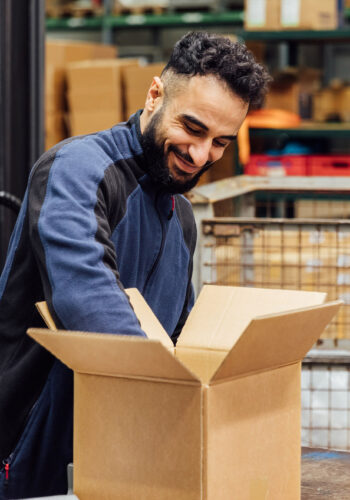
(187,123)
(101,213)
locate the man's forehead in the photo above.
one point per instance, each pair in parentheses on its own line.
(208,100)
(207,91)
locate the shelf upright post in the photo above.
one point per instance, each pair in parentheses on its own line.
(37,78)
(107,30)
(21,100)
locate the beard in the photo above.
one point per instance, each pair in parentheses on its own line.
(157,160)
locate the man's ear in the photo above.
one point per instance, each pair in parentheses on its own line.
(155,94)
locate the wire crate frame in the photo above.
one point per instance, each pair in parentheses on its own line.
(325,399)
(299,254)
(237,196)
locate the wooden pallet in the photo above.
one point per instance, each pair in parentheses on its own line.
(72,9)
(121,10)
(194,6)
(76,11)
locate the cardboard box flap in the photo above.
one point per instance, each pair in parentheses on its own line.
(112,355)
(149,321)
(221,313)
(276,340)
(46,315)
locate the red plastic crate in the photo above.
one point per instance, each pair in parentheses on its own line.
(329,165)
(276,166)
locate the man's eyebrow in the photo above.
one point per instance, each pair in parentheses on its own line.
(228,137)
(194,120)
(200,124)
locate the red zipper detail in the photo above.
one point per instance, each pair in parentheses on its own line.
(171,213)
(7,471)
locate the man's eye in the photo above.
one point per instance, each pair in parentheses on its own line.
(220,144)
(192,130)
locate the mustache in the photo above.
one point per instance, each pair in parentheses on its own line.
(187,157)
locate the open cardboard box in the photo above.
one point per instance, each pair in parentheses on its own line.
(216,418)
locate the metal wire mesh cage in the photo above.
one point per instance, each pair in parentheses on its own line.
(300,254)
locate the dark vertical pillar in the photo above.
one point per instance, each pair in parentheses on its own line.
(21,100)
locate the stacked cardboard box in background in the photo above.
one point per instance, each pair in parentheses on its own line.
(74,8)
(137,82)
(284,94)
(95,94)
(138,6)
(309,14)
(322,209)
(262,15)
(293,90)
(295,14)
(55,8)
(59,53)
(332,103)
(299,91)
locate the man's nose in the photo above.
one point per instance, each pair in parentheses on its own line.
(200,152)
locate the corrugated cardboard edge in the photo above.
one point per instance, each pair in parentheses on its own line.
(204,439)
(46,315)
(217,312)
(148,320)
(332,306)
(109,355)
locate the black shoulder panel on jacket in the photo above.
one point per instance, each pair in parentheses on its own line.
(185,214)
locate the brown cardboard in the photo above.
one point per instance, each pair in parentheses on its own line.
(137,82)
(46,315)
(54,128)
(332,103)
(250,302)
(100,73)
(309,14)
(286,99)
(152,425)
(97,99)
(149,322)
(252,421)
(261,15)
(344,104)
(58,54)
(62,52)
(96,93)
(90,121)
(284,91)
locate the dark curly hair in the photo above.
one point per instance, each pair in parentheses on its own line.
(201,53)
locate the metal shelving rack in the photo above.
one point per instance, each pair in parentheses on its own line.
(168,20)
(232,19)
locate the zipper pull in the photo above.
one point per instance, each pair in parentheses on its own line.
(171,213)
(7,473)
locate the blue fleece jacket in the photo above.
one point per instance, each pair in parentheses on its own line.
(92,223)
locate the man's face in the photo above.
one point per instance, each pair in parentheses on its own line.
(190,130)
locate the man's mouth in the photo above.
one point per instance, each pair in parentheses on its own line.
(184,165)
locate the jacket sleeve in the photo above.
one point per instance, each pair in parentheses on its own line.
(70,236)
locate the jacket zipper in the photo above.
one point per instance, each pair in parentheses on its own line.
(155,264)
(7,461)
(6,464)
